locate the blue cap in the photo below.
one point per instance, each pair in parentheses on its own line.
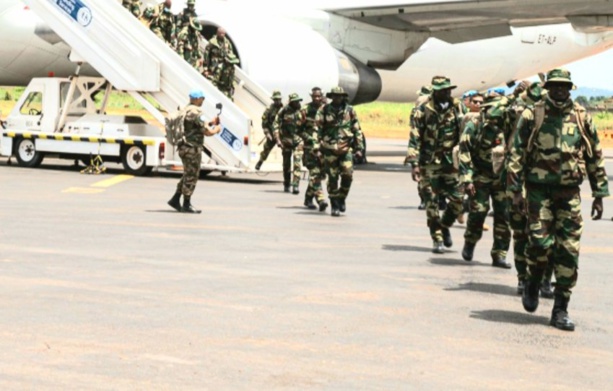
(196,94)
(499,91)
(469,93)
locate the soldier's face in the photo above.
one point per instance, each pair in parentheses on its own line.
(475,104)
(442,95)
(198,102)
(221,34)
(277,102)
(337,100)
(295,105)
(168,4)
(316,97)
(559,92)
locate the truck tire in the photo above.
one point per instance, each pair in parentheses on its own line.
(134,159)
(26,153)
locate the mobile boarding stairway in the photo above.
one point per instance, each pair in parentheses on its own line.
(133,59)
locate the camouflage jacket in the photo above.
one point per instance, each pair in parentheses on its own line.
(188,41)
(268,118)
(215,52)
(289,123)
(223,76)
(310,133)
(437,132)
(161,20)
(412,152)
(476,144)
(339,130)
(556,150)
(194,125)
(133,6)
(185,17)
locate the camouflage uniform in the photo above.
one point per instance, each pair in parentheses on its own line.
(214,53)
(480,136)
(339,137)
(191,150)
(162,23)
(424,95)
(547,161)
(187,15)
(188,44)
(438,132)
(134,6)
(223,76)
(289,123)
(311,150)
(268,120)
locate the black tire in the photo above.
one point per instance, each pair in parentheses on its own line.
(26,153)
(204,173)
(134,159)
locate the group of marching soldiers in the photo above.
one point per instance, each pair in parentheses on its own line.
(528,152)
(323,136)
(182,32)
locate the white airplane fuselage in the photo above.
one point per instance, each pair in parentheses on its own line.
(271,47)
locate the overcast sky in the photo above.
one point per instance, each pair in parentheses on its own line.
(594,72)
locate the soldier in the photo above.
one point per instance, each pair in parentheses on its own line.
(438,131)
(423,96)
(190,150)
(289,123)
(223,77)
(134,6)
(550,141)
(188,44)
(481,183)
(187,15)
(312,156)
(162,22)
(268,120)
(340,137)
(214,53)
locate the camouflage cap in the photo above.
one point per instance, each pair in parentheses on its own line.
(195,24)
(276,95)
(336,91)
(533,92)
(441,83)
(294,97)
(495,112)
(191,2)
(559,75)
(425,90)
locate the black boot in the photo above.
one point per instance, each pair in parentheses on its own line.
(521,285)
(295,190)
(175,202)
(501,262)
(188,207)
(468,251)
(559,314)
(422,205)
(286,188)
(334,210)
(437,247)
(446,237)
(322,205)
(308,202)
(530,297)
(341,205)
(258,165)
(546,289)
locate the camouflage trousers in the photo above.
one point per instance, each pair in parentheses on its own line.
(487,189)
(165,35)
(555,226)
(338,167)
(316,176)
(191,158)
(292,168)
(269,144)
(441,180)
(194,58)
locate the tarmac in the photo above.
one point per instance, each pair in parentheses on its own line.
(105,287)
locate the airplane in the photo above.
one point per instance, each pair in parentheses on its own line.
(383,50)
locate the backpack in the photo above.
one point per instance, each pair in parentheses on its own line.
(175,127)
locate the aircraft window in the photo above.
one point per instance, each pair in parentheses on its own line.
(33,105)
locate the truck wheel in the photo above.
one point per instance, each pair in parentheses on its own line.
(26,153)
(134,158)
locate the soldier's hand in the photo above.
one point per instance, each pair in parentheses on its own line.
(358,154)
(416,174)
(279,144)
(519,202)
(216,120)
(597,208)
(406,160)
(269,137)
(470,190)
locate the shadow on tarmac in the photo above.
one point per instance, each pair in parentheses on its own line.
(453,262)
(501,316)
(394,247)
(486,288)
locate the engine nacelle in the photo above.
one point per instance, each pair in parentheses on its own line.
(290,57)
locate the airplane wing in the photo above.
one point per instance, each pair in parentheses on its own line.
(457,21)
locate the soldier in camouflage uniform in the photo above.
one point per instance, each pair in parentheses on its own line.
(134,6)
(289,123)
(188,44)
(423,96)
(162,22)
(312,155)
(223,76)
(550,141)
(214,53)
(340,137)
(480,136)
(190,150)
(187,15)
(268,120)
(438,131)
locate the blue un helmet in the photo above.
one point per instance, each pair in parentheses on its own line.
(469,94)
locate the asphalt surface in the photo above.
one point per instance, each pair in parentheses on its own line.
(105,287)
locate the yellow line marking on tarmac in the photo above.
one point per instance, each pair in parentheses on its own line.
(112,181)
(82,190)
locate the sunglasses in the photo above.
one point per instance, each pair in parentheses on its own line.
(477,102)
